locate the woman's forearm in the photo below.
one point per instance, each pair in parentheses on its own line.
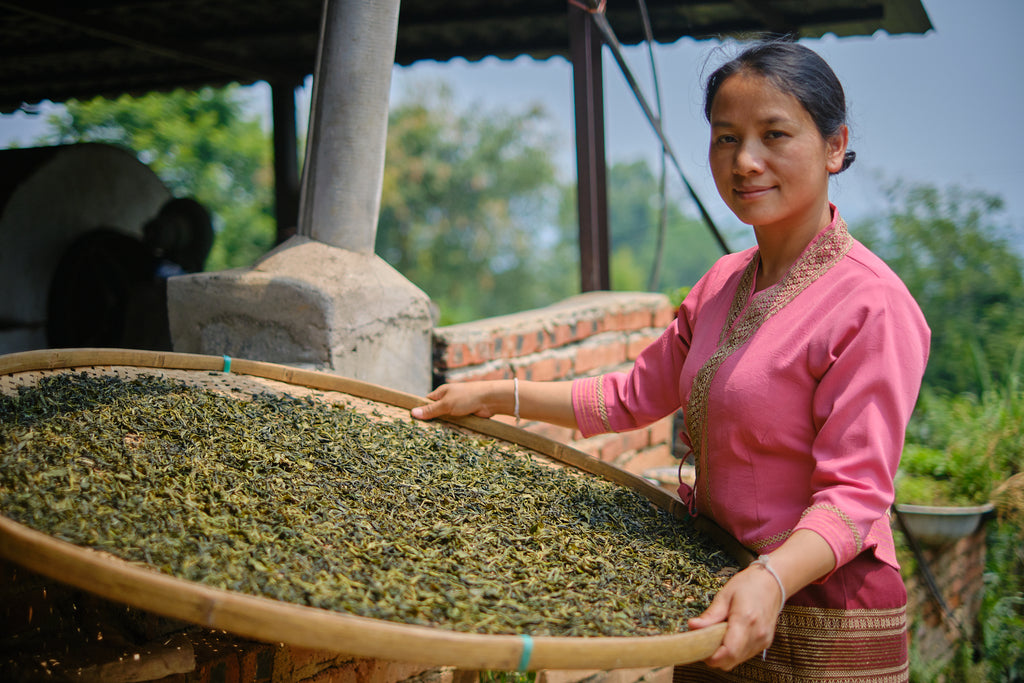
(544,401)
(804,558)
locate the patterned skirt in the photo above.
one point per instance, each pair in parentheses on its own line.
(851,628)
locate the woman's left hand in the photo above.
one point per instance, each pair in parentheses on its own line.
(750,602)
(752,599)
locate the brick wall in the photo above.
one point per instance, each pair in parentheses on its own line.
(958,570)
(584,335)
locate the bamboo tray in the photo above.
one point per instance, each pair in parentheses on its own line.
(272,620)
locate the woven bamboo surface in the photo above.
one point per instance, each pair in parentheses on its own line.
(277,621)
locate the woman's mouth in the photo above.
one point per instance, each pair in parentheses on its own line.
(749,193)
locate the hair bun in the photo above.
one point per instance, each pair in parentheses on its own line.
(848,159)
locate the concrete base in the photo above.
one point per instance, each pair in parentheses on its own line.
(310,305)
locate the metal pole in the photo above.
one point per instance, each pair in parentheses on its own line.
(286,159)
(591,199)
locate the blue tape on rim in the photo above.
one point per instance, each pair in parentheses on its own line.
(524,659)
(227,363)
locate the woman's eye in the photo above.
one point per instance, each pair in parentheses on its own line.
(725,139)
(774,134)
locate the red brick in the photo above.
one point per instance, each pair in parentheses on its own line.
(550,368)
(648,458)
(563,334)
(528,342)
(637,343)
(662,431)
(223,657)
(629,320)
(481,352)
(382,671)
(597,356)
(486,372)
(609,322)
(553,432)
(663,316)
(462,354)
(592,446)
(624,442)
(300,663)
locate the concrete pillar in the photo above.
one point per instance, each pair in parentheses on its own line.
(323,299)
(341,183)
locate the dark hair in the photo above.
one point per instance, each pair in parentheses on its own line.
(796,70)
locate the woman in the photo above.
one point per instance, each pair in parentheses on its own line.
(797,363)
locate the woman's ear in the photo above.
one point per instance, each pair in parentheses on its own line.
(835,149)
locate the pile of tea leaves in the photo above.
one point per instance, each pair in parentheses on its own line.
(315,503)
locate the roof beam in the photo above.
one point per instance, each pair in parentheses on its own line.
(762,11)
(177,53)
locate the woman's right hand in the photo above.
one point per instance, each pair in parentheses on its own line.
(468,398)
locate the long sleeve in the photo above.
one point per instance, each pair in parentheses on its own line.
(655,386)
(619,401)
(861,407)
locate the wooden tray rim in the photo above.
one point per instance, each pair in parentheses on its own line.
(270,620)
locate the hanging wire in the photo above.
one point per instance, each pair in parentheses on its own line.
(659,243)
(601,21)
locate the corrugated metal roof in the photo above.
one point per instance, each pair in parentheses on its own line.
(61,49)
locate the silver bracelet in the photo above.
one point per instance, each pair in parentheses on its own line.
(765,561)
(515,389)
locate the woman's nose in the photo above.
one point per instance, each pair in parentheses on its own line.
(748,160)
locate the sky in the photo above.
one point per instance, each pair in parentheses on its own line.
(945,108)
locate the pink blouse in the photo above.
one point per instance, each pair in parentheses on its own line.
(796,398)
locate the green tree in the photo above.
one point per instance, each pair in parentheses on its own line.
(633,205)
(961,267)
(633,218)
(201,144)
(468,206)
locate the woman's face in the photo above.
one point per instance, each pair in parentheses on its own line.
(770,162)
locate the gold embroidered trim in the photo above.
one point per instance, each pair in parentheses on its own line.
(762,543)
(602,409)
(843,517)
(697,406)
(739,301)
(833,623)
(746,315)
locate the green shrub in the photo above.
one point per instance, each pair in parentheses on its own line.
(930,476)
(964,450)
(1002,609)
